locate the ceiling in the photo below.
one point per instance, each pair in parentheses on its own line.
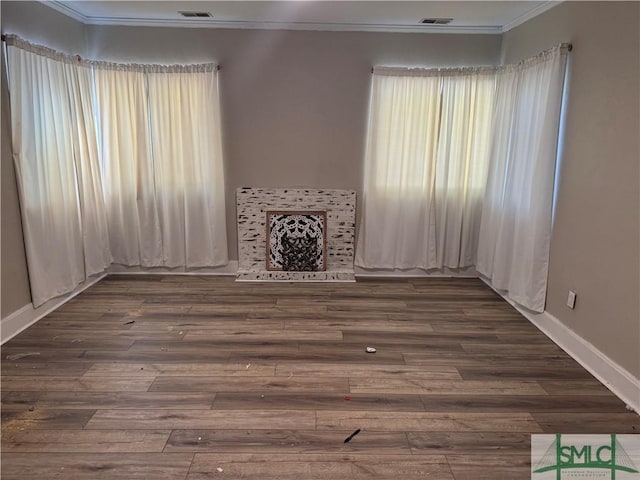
(394,16)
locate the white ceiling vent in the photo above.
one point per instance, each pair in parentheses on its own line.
(196,14)
(436,21)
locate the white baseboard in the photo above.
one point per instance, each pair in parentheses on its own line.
(468,272)
(613,376)
(13,324)
(230,269)
(241,280)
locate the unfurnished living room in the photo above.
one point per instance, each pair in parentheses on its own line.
(314,240)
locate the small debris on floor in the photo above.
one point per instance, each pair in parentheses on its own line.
(76,340)
(18,356)
(220,469)
(347,397)
(370,350)
(199,438)
(248,365)
(261,396)
(31,409)
(348,439)
(129,323)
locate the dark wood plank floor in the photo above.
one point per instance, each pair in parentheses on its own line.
(185,377)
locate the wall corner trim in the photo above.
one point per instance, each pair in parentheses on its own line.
(13,324)
(613,376)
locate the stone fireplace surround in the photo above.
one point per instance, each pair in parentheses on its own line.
(252,205)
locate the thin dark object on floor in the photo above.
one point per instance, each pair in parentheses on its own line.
(129,323)
(348,439)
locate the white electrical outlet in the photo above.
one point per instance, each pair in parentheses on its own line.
(571,299)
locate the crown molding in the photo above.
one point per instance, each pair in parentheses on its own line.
(534,12)
(65,9)
(329,27)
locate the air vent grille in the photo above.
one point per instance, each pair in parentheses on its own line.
(436,21)
(196,14)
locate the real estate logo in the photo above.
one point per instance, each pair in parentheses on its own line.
(564,457)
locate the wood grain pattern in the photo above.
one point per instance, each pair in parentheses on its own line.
(345,466)
(427,421)
(91,466)
(490,467)
(207,419)
(444,387)
(109,400)
(286,441)
(317,401)
(83,441)
(249,384)
(469,443)
(198,377)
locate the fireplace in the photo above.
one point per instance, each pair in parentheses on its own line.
(295,234)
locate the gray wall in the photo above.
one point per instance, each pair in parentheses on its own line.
(42,25)
(15,282)
(595,242)
(294,103)
(38,24)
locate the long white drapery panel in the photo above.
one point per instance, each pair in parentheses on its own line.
(188,170)
(425,168)
(515,230)
(56,166)
(114,162)
(461,165)
(95,233)
(128,175)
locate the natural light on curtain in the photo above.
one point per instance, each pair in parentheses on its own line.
(188,171)
(459,171)
(166,203)
(130,199)
(55,156)
(117,163)
(515,232)
(425,168)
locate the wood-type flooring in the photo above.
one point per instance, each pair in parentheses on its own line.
(196,377)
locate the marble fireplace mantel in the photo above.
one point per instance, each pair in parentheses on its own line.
(252,205)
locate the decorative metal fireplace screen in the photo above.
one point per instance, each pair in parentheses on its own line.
(296,240)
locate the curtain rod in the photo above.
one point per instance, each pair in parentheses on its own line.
(568,46)
(4,39)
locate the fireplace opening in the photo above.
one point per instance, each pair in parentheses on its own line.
(299,254)
(296,240)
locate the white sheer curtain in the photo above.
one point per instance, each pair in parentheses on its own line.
(95,234)
(127,165)
(188,170)
(56,166)
(515,229)
(115,163)
(425,167)
(162,164)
